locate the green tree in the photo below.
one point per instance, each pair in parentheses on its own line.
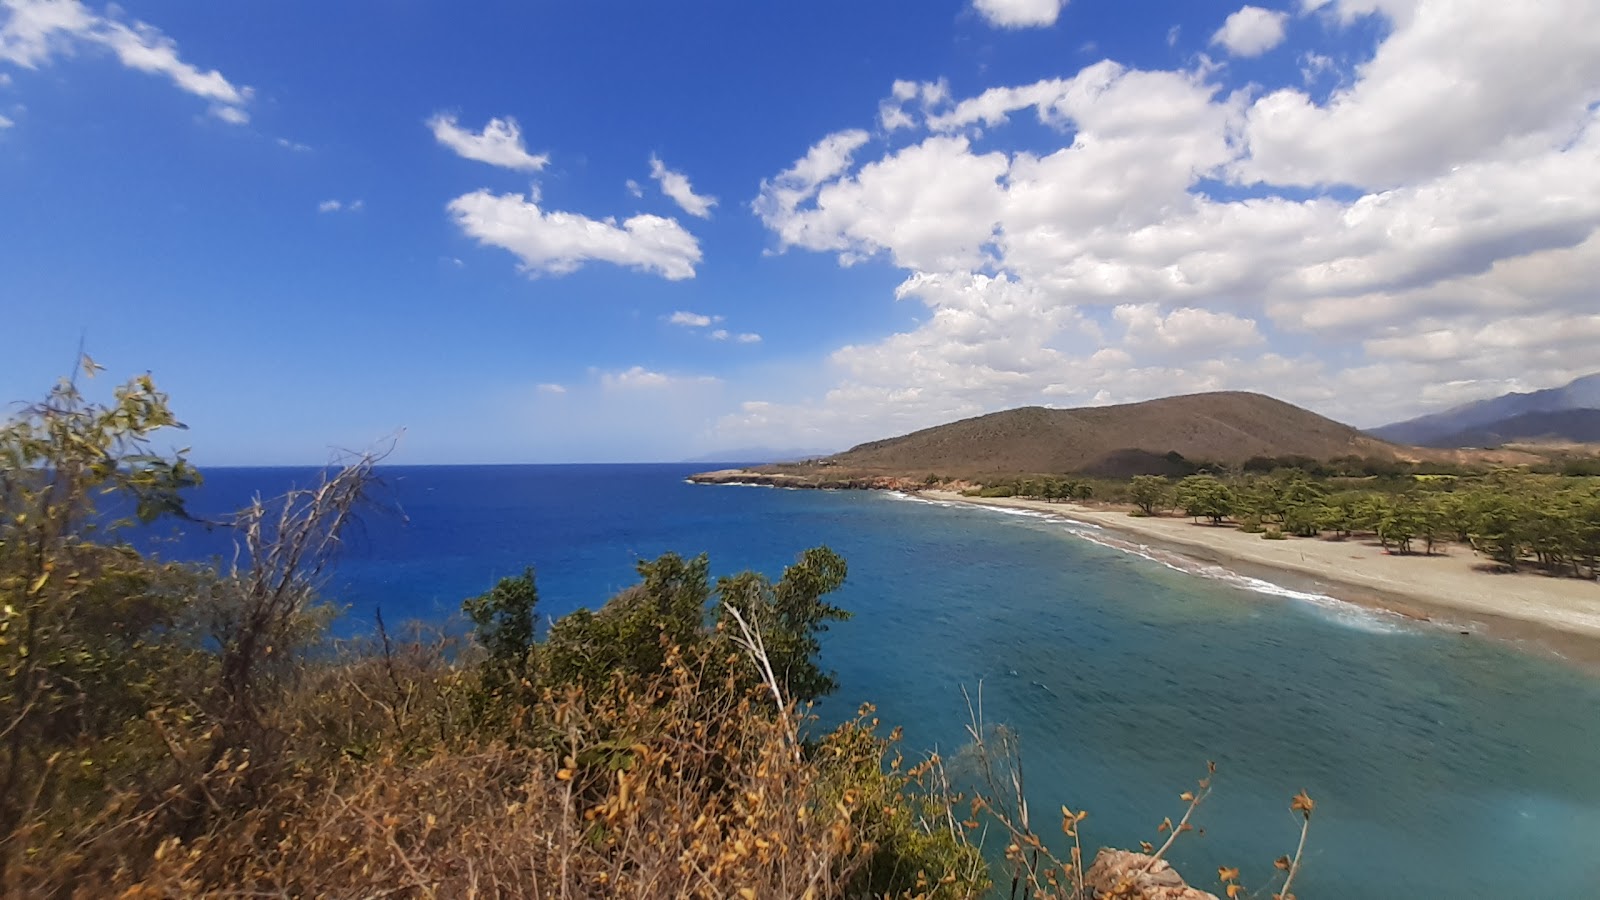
(1203,496)
(84,621)
(789,617)
(633,632)
(503,621)
(1150,493)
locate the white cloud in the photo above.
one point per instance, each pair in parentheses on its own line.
(1165,243)
(795,185)
(34,32)
(639,377)
(1251,31)
(548,388)
(933,204)
(748,337)
(1313,65)
(892,114)
(5,122)
(553,242)
(1019,13)
(1183,329)
(634,189)
(721,334)
(329,206)
(295,146)
(691,319)
(676,186)
(1452,83)
(498,144)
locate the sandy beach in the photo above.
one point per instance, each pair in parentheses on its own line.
(1448,588)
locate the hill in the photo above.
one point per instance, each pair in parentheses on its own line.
(1225,427)
(1438,429)
(1579,426)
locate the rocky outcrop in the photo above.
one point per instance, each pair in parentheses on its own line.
(1131,876)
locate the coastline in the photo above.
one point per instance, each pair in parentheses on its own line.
(1559,616)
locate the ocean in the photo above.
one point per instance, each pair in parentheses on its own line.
(1442,765)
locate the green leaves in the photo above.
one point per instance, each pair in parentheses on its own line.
(1151,493)
(503,619)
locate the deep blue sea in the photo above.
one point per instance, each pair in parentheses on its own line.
(1442,766)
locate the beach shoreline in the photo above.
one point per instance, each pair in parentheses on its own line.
(1552,615)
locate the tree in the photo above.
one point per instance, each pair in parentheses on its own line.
(633,632)
(1149,493)
(789,616)
(1204,496)
(503,622)
(83,621)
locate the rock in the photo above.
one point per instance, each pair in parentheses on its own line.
(1121,874)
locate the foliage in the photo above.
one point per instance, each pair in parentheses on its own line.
(1514,517)
(87,626)
(1204,496)
(1150,493)
(190,731)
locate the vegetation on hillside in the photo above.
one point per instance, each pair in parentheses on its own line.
(188,730)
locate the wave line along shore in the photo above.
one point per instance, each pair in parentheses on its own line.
(1559,614)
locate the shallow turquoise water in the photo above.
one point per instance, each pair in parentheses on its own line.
(1442,766)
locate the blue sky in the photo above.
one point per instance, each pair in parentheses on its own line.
(317,224)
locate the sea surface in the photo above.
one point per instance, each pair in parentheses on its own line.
(1443,766)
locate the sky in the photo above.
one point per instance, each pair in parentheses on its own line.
(631,231)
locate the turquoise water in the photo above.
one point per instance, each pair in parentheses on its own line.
(1442,765)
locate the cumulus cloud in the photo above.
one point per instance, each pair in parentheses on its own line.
(1453,83)
(1183,329)
(498,144)
(1251,31)
(1019,13)
(639,377)
(1167,241)
(691,319)
(556,243)
(676,186)
(33,33)
(783,194)
(330,206)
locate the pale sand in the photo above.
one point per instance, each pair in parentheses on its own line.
(1560,614)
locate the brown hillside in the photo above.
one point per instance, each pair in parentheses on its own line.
(1225,427)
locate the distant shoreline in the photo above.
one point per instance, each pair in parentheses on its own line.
(1550,614)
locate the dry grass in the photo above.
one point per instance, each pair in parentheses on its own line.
(384,786)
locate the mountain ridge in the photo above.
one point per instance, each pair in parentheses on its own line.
(1580,426)
(1437,429)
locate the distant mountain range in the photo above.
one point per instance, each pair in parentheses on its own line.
(1226,427)
(1565,425)
(1567,413)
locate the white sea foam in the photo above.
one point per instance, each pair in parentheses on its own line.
(1343,612)
(1376,621)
